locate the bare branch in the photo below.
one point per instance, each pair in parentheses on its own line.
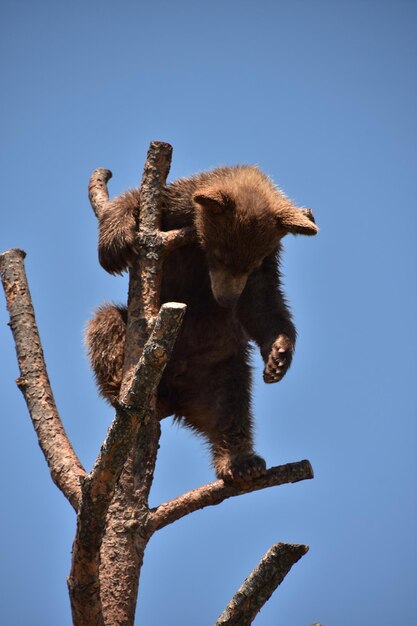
(134,406)
(91,604)
(97,190)
(66,469)
(217,491)
(261,584)
(98,488)
(155,356)
(121,544)
(155,172)
(145,275)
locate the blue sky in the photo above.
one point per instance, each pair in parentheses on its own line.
(322,96)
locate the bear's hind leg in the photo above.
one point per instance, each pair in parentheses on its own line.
(217,404)
(233,455)
(105,339)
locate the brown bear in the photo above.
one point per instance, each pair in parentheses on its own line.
(230,281)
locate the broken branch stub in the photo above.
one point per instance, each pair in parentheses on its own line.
(261,584)
(97,190)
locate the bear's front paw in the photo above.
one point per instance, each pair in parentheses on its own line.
(117,248)
(242,468)
(279,359)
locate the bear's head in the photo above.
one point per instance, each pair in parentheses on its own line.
(240,219)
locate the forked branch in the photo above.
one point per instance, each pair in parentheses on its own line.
(130,501)
(98,487)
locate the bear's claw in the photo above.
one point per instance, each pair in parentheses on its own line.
(279,359)
(243,468)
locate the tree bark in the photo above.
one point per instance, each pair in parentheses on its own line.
(129,510)
(261,584)
(132,424)
(64,465)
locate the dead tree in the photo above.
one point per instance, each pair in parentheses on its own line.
(114,520)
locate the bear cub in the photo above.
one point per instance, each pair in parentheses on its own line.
(230,281)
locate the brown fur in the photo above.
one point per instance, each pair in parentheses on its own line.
(230,283)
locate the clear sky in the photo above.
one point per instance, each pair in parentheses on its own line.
(321,94)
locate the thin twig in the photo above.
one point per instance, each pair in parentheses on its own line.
(217,491)
(65,467)
(261,584)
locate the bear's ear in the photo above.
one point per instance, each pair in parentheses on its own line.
(216,201)
(298,221)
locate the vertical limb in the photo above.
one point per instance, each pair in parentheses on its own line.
(125,538)
(145,276)
(126,533)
